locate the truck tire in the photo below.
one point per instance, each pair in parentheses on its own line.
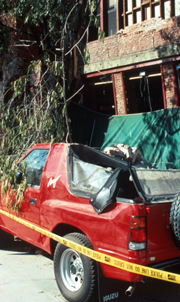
(75,273)
(175,219)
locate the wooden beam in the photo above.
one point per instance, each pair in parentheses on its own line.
(135,66)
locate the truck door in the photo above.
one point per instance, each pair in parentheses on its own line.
(34,165)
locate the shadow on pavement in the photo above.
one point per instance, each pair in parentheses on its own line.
(11,243)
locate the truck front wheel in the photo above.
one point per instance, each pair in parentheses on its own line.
(75,273)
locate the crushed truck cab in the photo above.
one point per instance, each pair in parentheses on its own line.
(100,202)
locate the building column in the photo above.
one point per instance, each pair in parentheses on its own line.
(169,85)
(119,94)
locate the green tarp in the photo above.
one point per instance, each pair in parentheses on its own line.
(156,134)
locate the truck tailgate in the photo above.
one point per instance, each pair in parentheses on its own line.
(160,243)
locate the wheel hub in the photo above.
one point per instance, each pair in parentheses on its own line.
(72,270)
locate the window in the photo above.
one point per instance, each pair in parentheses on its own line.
(177,7)
(111,17)
(146,12)
(137,11)
(34,165)
(119,14)
(130,12)
(167,9)
(155,8)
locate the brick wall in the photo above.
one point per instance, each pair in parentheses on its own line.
(152,34)
(14,61)
(119,92)
(169,83)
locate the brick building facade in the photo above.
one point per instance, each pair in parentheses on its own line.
(14,61)
(137,66)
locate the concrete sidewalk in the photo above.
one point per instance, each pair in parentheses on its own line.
(26,275)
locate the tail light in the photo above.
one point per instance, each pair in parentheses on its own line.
(137,233)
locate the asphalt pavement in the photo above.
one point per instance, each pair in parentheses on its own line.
(26,275)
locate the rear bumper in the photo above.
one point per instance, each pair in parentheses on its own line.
(112,272)
(120,274)
(167,264)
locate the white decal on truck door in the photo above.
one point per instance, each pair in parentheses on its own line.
(53,181)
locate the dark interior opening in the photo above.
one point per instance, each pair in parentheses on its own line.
(143,90)
(99,95)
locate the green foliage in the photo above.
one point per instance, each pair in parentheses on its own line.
(4,37)
(44,20)
(101,34)
(18,86)
(36,109)
(92,7)
(32,66)
(29,117)
(86,56)
(11,192)
(5,6)
(56,68)
(46,59)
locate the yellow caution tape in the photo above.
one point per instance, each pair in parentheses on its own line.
(101,257)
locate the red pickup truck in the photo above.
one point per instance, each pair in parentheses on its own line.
(101,202)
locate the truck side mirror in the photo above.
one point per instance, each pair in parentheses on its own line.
(18,177)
